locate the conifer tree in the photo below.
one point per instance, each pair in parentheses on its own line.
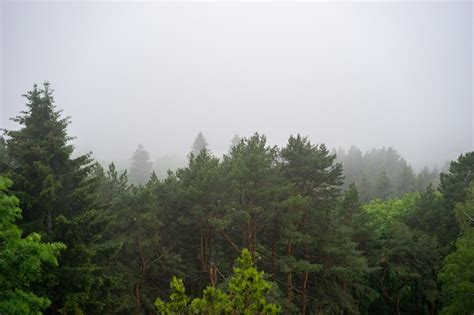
(455,183)
(253,184)
(201,192)
(46,178)
(312,232)
(141,167)
(58,194)
(199,144)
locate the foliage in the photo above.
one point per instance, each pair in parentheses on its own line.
(457,274)
(373,242)
(244,293)
(384,213)
(455,183)
(58,194)
(45,176)
(22,260)
(457,277)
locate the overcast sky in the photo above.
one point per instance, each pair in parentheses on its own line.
(371,74)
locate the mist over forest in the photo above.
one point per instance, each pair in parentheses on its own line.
(236,158)
(367,74)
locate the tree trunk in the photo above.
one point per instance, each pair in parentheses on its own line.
(397,304)
(137,293)
(304,300)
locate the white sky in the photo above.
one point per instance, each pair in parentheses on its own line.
(371,73)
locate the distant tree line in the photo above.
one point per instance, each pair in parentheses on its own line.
(383,173)
(98,243)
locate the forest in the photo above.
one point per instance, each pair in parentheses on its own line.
(298,229)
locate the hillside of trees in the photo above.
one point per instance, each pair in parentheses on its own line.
(296,229)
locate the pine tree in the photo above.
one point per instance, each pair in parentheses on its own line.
(141,167)
(322,261)
(455,184)
(199,144)
(201,193)
(252,182)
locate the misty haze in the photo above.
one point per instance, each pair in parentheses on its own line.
(156,147)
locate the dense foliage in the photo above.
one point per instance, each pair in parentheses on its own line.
(22,261)
(330,234)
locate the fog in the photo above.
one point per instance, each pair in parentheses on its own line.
(370,74)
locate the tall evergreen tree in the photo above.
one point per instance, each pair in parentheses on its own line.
(313,235)
(201,191)
(252,186)
(141,167)
(199,144)
(47,179)
(58,194)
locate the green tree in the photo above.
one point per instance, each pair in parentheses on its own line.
(58,194)
(455,184)
(141,167)
(319,253)
(244,293)
(457,274)
(46,178)
(252,186)
(140,262)
(406,261)
(407,257)
(432,217)
(22,260)
(201,192)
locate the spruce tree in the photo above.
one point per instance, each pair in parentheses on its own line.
(58,194)
(48,181)
(141,167)
(199,144)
